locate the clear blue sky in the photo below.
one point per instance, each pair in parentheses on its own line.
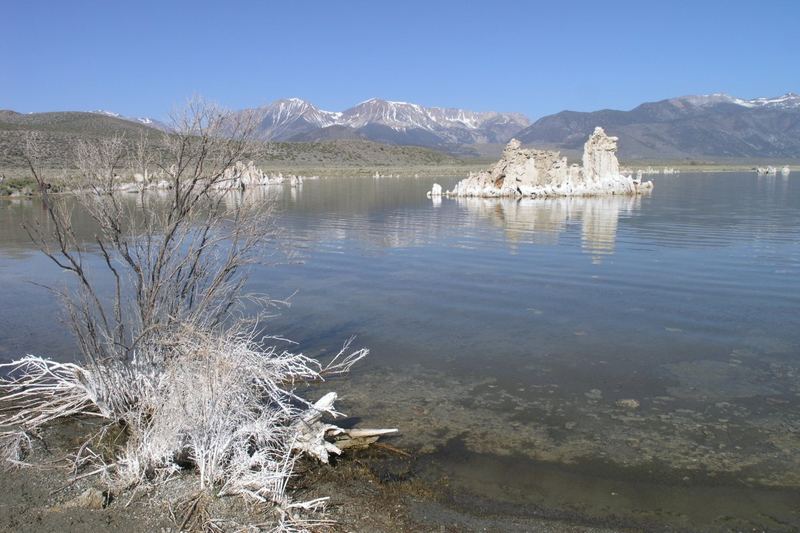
(144,58)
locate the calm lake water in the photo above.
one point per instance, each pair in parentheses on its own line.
(627,361)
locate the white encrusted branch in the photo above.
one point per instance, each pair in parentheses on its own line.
(38,391)
(319,440)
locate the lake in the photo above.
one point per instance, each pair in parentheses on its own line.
(621,361)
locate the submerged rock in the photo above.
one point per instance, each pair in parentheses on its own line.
(544,173)
(594,394)
(627,403)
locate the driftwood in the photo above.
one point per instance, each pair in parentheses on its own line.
(319,439)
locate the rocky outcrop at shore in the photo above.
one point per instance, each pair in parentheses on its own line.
(242,175)
(239,176)
(767,171)
(544,173)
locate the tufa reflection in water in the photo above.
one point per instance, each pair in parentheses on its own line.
(541,221)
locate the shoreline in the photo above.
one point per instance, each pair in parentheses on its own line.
(380,489)
(405,172)
(371,490)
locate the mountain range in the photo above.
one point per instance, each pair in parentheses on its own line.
(703,126)
(688,127)
(386,121)
(714,126)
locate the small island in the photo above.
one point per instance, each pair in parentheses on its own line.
(544,173)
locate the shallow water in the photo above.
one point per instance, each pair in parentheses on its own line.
(504,333)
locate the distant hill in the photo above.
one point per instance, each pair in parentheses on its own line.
(352,152)
(708,126)
(74,122)
(60,131)
(145,121)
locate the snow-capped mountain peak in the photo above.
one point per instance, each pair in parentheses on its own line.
(396,115)
(401,116)
(288,116)
(297,119)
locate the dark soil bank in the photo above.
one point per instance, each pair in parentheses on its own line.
(375,490)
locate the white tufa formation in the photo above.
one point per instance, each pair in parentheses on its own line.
(785,171)
(767,171)
(436,191)
(544,173)
(241,176)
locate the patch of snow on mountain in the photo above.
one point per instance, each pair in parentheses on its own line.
(787,101)
(107,113)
